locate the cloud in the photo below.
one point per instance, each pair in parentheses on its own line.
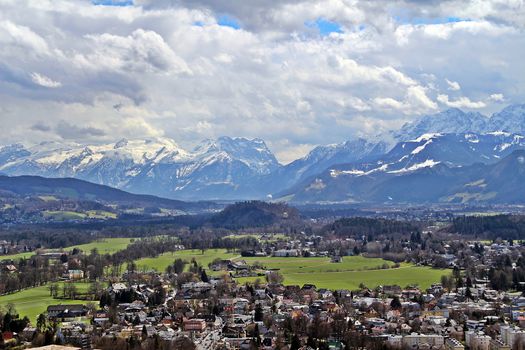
(497,97)
(416,101)
(44,81)
(21,36)
(305,71)
(453,85)
(40,126)
(71,131)
(462,102)
(142,51)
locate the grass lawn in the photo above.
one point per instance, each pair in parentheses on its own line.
(318,264)
(162,261)
(17,256)
(34,301)
(104,246)
(265,238)
(348,274)
(100,214)
(63,215)
(406,275)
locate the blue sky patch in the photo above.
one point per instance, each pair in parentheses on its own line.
(324,26)
(112,2)
(434,20)
(228,21)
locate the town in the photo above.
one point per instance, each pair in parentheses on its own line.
(424,289)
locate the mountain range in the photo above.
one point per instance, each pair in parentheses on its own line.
(239,168)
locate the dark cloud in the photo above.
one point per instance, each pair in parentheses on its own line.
(39,126)
(70,131)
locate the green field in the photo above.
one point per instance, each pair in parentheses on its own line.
(17,256)
(162,261)
(403,276)
(348,274)
(34,301)
(100,214)
(63,215)
(104,246)
(267,238)
(318,264)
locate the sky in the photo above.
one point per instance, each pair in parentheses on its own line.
(296,73)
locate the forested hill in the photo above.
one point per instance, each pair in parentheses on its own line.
(255,214)
(492,227)
(82,190)
(347,227)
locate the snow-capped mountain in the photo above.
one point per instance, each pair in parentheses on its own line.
(500,182)
(449,121)
(452,149)
(510,119)
(240,168)
(429,152)
(226,168)
(155,166)
(322,157)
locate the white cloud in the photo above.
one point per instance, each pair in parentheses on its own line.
(174,71)
(143,51)
(497,97)
(12,34)
(388,102)
(44,81)
(453,85)
(417,96)
(462,102)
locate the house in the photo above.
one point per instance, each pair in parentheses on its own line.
(64,312)
(477,340)
(415,340)
(238,265)
(195,325)
(286,252)
(496,344)
(453,344)
(101,317)
(75,275)
(10,268)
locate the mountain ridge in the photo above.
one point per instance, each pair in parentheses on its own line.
(240,168)
(499,182)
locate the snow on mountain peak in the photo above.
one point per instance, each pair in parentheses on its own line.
(427,137)
(449,121)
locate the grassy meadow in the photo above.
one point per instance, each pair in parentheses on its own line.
(34,301)
(402,276)
(292,265)
(348,274)
(162,261)
(262,238)
(104,246)
(65,215)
